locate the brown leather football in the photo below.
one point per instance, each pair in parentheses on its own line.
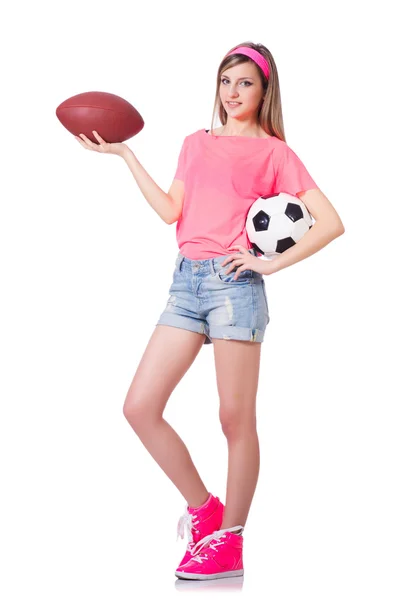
(115,119)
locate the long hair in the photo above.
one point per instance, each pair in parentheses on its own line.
(270,115)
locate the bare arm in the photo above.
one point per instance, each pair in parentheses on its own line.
(159,200)
(327,227)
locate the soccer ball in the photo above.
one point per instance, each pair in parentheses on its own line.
(275,223)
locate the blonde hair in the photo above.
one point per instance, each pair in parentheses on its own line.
(270,115)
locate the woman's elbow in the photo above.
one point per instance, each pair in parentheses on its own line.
(340,228)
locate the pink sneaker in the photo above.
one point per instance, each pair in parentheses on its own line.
(217,555)
(200,522)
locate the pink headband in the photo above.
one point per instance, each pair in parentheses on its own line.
(256,57)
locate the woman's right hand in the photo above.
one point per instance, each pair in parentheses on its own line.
(102,146)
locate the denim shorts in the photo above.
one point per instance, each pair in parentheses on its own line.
(205,300)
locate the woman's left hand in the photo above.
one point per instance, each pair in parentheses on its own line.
(246,260)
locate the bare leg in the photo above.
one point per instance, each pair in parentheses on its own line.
(237,370)
(243,472)
(158,373)
(171,454)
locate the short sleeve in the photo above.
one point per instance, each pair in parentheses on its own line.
(291,175)
(181,167)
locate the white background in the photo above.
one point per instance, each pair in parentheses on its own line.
(86,265)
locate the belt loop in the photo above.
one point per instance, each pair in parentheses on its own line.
(212,266)
(179,260)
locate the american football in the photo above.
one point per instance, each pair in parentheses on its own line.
(115,119)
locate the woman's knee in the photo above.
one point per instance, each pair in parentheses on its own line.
(236,423)
(138,412)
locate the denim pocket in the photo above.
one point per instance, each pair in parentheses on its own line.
(244,276)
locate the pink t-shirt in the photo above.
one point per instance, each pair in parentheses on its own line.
(223,176)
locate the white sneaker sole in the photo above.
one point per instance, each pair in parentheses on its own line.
(201,576)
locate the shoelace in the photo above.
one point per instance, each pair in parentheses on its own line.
(189,521)
(206,542)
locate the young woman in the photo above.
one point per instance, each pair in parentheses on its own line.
(218,294)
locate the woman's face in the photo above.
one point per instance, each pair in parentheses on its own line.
(243,85)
